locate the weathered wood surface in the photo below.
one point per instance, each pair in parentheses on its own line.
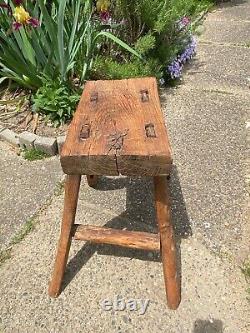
(168,250)
(118,128)
(70,203)
(125,238)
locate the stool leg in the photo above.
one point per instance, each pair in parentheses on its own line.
(72,185)
(92,180)
(168,251)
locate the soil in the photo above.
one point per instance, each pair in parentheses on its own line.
(16,114)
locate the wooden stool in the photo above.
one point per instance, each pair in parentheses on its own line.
(118,129)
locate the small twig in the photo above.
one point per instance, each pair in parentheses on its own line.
(6,113)
(12,114)
(28,119)
(36,119)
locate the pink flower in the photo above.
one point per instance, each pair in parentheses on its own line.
(18,2)
(105,16)
(183,22)
(34,22)
(16,26)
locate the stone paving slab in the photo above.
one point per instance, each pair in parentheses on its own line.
(213,290)
(218,66)
(231,11)
(236,32)
(207,132)
(24,188)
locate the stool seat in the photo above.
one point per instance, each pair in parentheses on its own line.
(118,128)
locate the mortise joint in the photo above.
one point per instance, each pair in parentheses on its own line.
(150,130)
(94,97)
(144,95)
(84,132)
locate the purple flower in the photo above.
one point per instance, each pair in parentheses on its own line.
(175,69)
(189,52)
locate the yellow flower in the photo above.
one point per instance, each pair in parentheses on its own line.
(102,5)
(21,16)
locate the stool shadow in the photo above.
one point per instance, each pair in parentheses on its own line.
(206,326)
(138,216)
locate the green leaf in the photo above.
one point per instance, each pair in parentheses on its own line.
(119,42)
(60,36)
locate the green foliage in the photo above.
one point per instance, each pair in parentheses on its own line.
(246,270)
(56,100)
(5,255)
(151,26)
(72,44)
(34,154)
(64,45)
(21,234)
(145,44)
(25,230)
(106,68)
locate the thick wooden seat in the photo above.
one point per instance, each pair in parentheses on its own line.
(118,128)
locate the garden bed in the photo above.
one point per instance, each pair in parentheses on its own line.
(49,49)
(16,114)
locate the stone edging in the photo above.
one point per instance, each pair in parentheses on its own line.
(27,140)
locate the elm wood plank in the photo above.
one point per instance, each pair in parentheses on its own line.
(157,152)
(75,156)
(168,250)
(136,153)
(124,238)
(108,134)
(72,185)
(92,180)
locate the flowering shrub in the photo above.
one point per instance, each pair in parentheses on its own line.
(160,30)
(69,41)
(176,66)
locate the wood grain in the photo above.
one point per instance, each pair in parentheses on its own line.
(125,238)
(72,185)
(118,128)
(168,250)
